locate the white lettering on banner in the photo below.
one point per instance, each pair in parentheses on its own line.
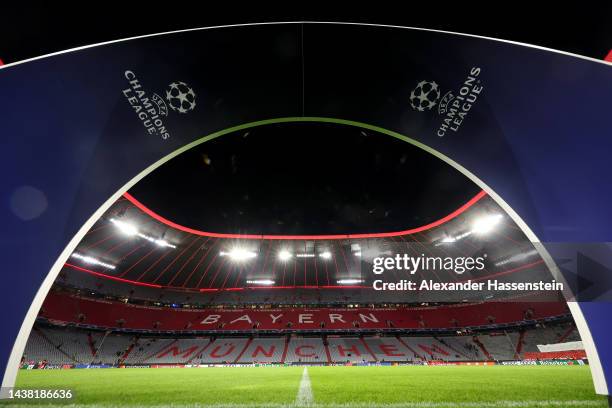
(210,319)
(275,318)
(371,318)
(302,318)
(305,318)
(244,318)
(335,316)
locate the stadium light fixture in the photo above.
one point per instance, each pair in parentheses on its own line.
(265,282)
(450,239)
(284,255)
(517,258)
(131,230)
(125,227)
(91,260)
(305,255)
(486,223)
(349,281)
(164,243)
(239,254)
(325,255)
(160,242)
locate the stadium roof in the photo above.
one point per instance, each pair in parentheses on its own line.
(296,206)
(130,245)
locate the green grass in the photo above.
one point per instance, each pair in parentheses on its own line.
(406,386)
(451,383)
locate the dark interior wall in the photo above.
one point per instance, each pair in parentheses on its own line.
(28,30)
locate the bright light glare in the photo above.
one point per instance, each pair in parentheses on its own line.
(449,239)
(305,255)
(349,281)
(160,242)
(284,255)
(517,258)
(266,282)
(131,230)
(126,228)
(91,260)
(325,255)
(164,243)
(486,224)
(238,254)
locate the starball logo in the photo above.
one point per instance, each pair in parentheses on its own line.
(454,107)
(151,109)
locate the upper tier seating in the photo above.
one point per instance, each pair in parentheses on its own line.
(109,314)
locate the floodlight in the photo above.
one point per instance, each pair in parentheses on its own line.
(284,255)
(349,281)
(126,228)
(239,254)
(265,282)
(325,255)
(485,224)
(91,260)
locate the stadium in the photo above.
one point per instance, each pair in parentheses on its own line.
(239,274)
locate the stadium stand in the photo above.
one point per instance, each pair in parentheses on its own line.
(113,348)
(264,350)
(39,348)
(501,345)
(103,313)
(180,351)
(145,348)
(533,338)
(306,350)
(61,345)
(73,344)
(349,349)
(389,349)
(463,346)
(222,351)
(430,348)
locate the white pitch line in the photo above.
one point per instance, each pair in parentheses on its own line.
(304,395)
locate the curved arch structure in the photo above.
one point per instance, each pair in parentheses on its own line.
(422,228)
(525,135)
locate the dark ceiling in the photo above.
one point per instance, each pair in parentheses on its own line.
(29,29)
(304,178)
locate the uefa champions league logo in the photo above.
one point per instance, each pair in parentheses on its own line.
(152,109)
(453,107)
(424,96)
(427,94)
(180,97)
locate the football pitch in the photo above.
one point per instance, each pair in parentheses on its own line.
(393,387)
